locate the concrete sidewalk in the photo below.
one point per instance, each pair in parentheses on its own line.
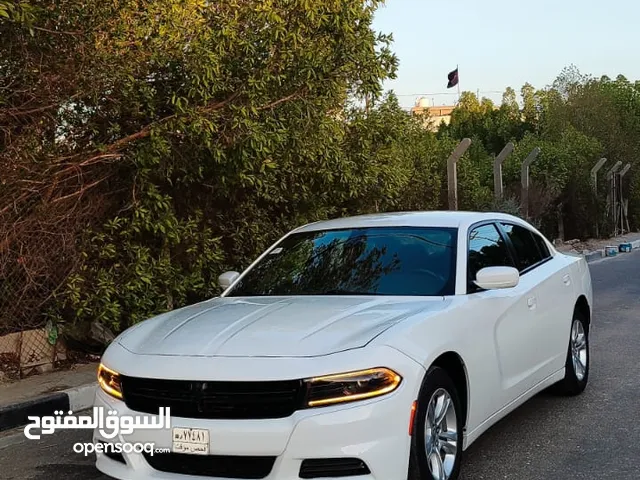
(40,395)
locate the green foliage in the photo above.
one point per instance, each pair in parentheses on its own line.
(574,123)
(193,134)
(17,11)
(392,158)
(168,141)
(142,264)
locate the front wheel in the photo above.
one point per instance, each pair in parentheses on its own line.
(436,442)
(578,357)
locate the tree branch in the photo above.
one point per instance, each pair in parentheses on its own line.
(275,103)
(16,112)
(57,32)
(81,191)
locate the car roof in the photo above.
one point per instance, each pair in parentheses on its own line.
(443,219)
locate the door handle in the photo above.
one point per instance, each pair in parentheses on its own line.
(566,280)
(531,303)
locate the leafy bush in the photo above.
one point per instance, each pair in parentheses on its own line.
(140,265)
(148,146)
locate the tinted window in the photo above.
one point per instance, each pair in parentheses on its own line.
(542,246)
(524,244)
(366,261)
(487,249)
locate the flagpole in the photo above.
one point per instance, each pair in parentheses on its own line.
(458,69)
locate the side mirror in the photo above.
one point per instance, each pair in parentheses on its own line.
(226,279)
(495,278)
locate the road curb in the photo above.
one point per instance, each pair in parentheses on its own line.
(593,256)
(81,398)
(74,399)
(600,254)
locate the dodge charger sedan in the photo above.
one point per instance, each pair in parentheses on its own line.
(373,347)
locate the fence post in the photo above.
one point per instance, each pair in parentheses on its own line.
(525,181)
(452,174)
(594,174)
(624,171)
(594,185)
(497,169)
(611,197)
(624,204)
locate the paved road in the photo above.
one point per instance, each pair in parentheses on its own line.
(591,437)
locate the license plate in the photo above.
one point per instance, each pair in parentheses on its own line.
(190,440)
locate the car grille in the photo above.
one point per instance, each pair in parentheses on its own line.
(214,400)
(221,466)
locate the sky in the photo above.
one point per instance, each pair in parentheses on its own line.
(501,43)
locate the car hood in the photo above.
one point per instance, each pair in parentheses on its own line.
(273,326)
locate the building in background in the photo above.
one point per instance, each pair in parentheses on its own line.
(433,116)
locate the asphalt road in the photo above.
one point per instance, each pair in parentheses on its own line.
(591,437)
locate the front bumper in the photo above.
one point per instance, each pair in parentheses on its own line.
(374,431)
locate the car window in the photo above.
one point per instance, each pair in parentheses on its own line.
(542,246)
(361,261)
(524,244)
(487,249)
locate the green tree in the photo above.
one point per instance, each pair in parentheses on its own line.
(225,120)
(530,105)
(150,145)
(487,106)
(510,105)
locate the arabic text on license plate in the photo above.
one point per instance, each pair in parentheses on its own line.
(190,440)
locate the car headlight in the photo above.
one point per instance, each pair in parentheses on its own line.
(351,386)
(109,381)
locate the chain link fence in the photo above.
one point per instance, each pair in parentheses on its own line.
(32,268)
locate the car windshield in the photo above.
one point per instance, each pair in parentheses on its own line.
(360,261)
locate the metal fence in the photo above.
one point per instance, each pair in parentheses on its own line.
(616,206)
(29,341)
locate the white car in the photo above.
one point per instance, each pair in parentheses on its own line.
(374,347)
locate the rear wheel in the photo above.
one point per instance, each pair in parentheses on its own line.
(436,443)
(578,358)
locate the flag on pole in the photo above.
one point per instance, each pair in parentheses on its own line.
(453,79)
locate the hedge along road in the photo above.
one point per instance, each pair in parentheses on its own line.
(594,436)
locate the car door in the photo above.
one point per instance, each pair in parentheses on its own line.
(508,315)
(553,298)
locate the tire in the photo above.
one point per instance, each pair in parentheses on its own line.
(436,388)
(578,358)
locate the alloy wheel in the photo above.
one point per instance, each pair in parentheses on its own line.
(579,350)
(441,435)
